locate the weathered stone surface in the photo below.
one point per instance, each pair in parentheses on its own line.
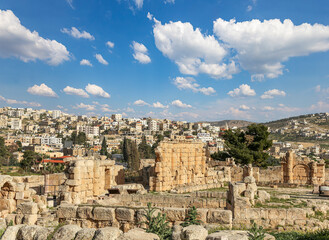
(3,224)
(102,213)
(27,208)
(194,232)
(175,214)
(43,233)
(219,216)
(11,232)
(263,196)
(138,234)
(108,233)
(67,211)
(233,235)
(27,232)
(66,232)
(124,214)
(85,212)
(85,234)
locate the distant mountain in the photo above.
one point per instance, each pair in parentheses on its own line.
(231,123)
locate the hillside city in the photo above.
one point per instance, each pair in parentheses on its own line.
(55,135)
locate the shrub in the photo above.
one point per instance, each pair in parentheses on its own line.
(256,233)
(191,218)
(158,224)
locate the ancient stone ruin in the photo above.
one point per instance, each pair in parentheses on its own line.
(297,170)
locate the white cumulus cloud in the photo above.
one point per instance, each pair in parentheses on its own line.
(262,47)
(110,44)
(180,104)
(85,62)
(96,91)
(140,53)
(100,59)
(192,51)
(41,90)
(244,107)
(74,32)
(243,90)
(272,93)
(18,102)
(149,16)
(140,103)
(159,105)
(75,91)
(139,3)
(19,42)
(85,106)
(190,83)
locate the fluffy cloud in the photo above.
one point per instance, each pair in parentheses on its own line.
(41,90)
(149,16)
(110,44)
(140,53)
(190,83)
(100,59)
(19,42)
(85,62)
(244,107)
(74,32)
(13,101)
(169,1)
(243,90)
(159,105)
(178,103)
(75,91)
(272,93)
(262,46)
(139,3)
(96,91)
(140,103)
(85,106)
(268,108)
(192,51)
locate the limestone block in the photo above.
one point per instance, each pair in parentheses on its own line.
(84,212)
(85,234)
(30,219)
(27,208)
(138,234)
(66,232)
(194,232)
(124,214)
(219,216)
(277,213)
(102,213)
(19,218)
(11,232)
(67,211)
(175,214)
(108,233)
(28,232)
(296,214)
(233,235)
(263,196)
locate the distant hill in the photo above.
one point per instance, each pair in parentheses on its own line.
(231,123)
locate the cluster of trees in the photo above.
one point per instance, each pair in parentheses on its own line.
(4,153)
(131,154)
(79,138)
(247,147)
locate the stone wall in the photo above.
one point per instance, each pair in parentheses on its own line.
(127,218)
(88,178)
(197,199)
(182,166)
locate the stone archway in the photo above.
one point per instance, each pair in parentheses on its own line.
(302,174)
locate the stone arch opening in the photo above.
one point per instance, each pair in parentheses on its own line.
(302,174)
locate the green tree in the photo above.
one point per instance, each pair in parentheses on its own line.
(191,218)
(250,146)
(30,158)
(145,150)
(4,152)
(131,154)
(104,147)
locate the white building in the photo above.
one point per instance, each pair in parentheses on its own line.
(56,113)
(205,137)
(153,125)
(89,130)
(117,117)
(51,141)
(16,124)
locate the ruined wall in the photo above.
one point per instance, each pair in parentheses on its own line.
(127,218)
(299,170)
(181,166)
(89,178)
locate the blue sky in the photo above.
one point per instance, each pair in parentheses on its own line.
(191,60)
